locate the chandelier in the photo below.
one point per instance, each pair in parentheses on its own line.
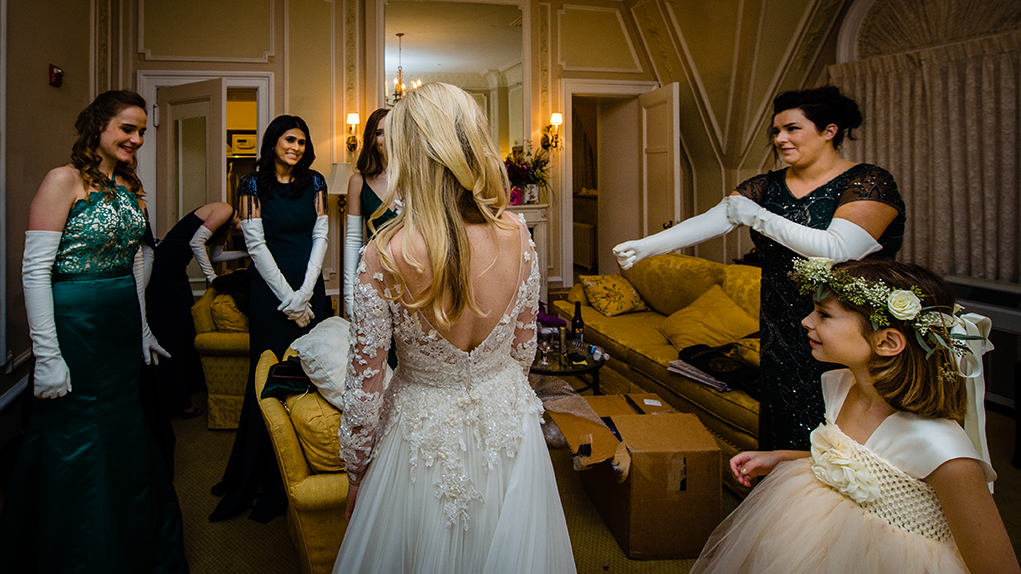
(399,87)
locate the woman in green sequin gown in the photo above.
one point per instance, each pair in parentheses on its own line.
(820,206)
(90,492)
(283,212)
(366,190)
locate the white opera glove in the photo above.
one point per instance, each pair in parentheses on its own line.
(151,349)
(218,255)
(255,239)
(52,377)
(691,231)
(841,241)
(198,248)
(299,301)
(352,252)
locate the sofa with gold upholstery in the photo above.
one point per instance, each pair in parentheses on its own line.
(221,339)
(303,430)
(681,300)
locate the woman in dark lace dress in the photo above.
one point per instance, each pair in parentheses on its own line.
(283,217)
(821,205)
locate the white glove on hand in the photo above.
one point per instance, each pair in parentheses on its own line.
(52,377)
(151,349)
(255,239)
(198,248)
(841,241)
(691,231)
(297,305)
(352,252)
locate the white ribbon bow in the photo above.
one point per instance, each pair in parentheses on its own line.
(969,366)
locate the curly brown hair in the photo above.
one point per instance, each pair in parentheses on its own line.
(90,124)
(909,381)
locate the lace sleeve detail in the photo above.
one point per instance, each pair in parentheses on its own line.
(872,183)
(371,329)
(755,188)
(527,307)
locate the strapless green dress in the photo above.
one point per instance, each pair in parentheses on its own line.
(90,492)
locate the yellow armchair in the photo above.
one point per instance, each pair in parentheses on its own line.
(315,502)
(221,339)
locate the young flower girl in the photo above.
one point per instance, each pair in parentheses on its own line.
(893,483)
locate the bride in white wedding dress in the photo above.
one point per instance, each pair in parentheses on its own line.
(448,468)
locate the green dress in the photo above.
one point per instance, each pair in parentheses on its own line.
(90,492)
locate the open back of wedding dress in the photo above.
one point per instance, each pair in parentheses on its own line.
(460,480)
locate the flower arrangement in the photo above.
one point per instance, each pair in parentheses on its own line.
(526,168)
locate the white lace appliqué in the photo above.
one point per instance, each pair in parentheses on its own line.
(443,401)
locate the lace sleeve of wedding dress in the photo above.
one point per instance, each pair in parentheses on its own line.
(371,329)
(527,306)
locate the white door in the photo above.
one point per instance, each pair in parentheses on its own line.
(192,139)
(661,159)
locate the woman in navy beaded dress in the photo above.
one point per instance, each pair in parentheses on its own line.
(282,206)
(90,492)
(821,205)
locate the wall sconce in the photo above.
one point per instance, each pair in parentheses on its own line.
(551,133)
(352,139)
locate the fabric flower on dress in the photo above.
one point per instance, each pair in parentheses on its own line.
(904,304)
(834,463)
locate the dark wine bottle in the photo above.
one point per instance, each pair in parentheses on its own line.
(577,325)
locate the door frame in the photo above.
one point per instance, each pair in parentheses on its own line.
(563,268)
(150,80)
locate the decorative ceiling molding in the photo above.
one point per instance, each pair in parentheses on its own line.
(621,34)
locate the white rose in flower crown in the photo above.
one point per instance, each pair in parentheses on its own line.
(833,463)
(904,304)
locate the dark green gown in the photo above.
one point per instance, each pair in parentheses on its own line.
(90,492)
(288,217)
(791,401)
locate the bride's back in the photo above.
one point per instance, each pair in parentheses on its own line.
(494,273)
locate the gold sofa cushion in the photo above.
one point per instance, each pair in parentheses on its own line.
(671,282)
(741,283)
(226,315)
(611,294)
(713,319)
(316,423)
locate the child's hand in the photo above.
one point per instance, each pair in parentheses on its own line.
(749,464)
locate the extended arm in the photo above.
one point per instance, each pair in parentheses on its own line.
(974,520)
(371,329)
(691,231)
(749,464)
(218,255)
(851,234)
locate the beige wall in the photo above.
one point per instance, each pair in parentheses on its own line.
(40,121)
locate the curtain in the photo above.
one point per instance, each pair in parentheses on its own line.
(944,121)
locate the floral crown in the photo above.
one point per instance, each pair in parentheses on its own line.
(932,327)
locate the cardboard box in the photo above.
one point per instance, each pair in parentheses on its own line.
(658,486)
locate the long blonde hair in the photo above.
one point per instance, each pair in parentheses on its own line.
(441,158)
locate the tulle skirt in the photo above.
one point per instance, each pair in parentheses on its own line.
(793,523)
(398,525)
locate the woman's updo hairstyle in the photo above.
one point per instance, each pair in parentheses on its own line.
(823,106)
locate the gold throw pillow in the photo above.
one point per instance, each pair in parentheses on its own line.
(611,294)
(713,319)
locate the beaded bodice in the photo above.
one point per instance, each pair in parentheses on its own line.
(878,486)
(100,237)
(439,393)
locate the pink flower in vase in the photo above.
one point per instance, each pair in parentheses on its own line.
(515,196)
